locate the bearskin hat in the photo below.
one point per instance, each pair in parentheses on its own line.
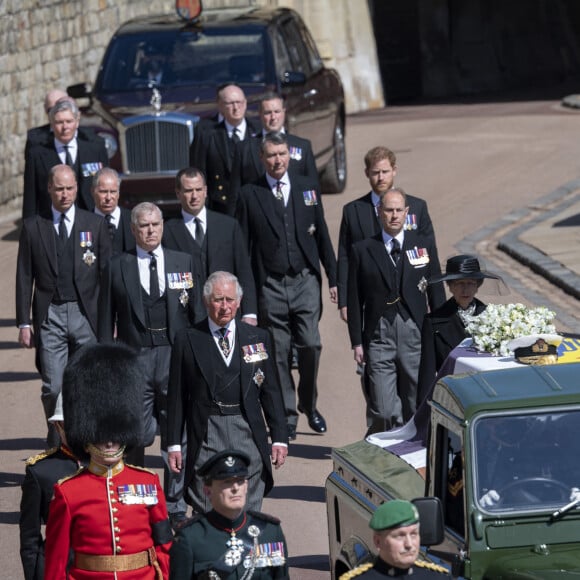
(102,394)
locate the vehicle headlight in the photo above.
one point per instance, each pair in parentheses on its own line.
(110,143)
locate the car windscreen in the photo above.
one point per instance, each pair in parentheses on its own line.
(182,58)
(526,462)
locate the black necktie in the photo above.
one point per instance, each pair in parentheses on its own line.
(153,278)
(110,225)
(62,233)
(235,136)
(278,193)
(67,156)
(198,232)
(395,251)
(224,341)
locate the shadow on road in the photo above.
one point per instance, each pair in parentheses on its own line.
(9,345)
(570,221)
(11,479)
(309,451)
(9,517)
(313,562)
(299,492)
(18,377)
(22,443)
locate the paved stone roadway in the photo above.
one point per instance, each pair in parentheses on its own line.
(485,169)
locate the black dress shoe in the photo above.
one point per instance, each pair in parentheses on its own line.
(291,432)
(316,422)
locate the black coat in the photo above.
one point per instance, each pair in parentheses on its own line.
(372,282)
(263,228)
(190,396)
(359,221)
(224,248)
(37,267)
(442,331)
(211,152)
(40,158)
(121,299)
(42,472)
(123,240)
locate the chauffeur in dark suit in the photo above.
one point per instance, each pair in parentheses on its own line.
(60,260)
(148,295)
(215,241)
(105,190)
(387,302)
(224,152)
(85,158)
(222,386)
(283,220)
(360,219)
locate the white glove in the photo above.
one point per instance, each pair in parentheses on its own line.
(491,498)
(575,494)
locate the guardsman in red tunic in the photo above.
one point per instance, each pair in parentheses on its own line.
(111,515)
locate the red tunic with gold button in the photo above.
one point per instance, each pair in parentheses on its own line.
(107,512)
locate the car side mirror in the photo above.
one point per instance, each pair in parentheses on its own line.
(293,78)
(80,91)
(431,520)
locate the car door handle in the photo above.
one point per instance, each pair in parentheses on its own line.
(310,93)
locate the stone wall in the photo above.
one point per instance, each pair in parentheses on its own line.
(54,43)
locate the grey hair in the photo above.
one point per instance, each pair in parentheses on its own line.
(102,172)
(274,137)
(64,105)
(142,208)
(221,276)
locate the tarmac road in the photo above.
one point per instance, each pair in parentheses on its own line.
(481,167)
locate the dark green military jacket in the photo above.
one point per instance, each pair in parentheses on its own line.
(211,547)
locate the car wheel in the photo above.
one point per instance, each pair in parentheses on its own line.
(333,179)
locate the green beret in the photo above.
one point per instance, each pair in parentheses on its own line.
(394,514)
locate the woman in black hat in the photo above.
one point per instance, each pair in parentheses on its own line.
(444,328)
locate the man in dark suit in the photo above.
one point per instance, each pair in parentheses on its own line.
(283,220)
(60,260)
(222,386)
(44,134)
(105,190)
(215,241)
(360,219)
(387,301)
(148,295)
(224,152)
(273,117)
(83,156)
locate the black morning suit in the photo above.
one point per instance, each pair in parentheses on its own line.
(258,216)
(42,472)
(381,302)
(359,221)
(226,170)
(371,283)
(224,248)
(121,299)
(442,331)
(37,267)
(40,158)
(192,388)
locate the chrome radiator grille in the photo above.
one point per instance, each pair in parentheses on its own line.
(157,144)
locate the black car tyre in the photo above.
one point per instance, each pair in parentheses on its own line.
(333,178)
